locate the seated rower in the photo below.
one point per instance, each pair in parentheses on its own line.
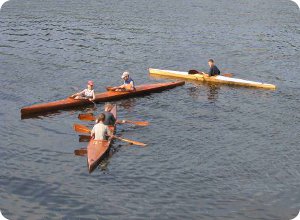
(109,117)
(128,84)
(86,93)
(100,131)
(213,70)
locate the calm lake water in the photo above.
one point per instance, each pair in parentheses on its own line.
(214,152)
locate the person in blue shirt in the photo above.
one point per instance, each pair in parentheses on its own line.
(213,69)
(128,84)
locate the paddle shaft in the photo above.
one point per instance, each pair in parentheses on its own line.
(129,141)
(84,129)
(91,117)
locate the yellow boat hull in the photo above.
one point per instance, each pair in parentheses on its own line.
(214,79)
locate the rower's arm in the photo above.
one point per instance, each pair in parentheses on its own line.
(93,132)
(131,86)
(205,74)
(109,132)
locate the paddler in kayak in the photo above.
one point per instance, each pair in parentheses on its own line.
(100,131)
(128,84)
(88,93)
(213,69)
(109,117)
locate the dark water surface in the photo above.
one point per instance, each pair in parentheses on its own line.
(214,152)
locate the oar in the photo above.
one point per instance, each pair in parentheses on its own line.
(91,117)
(139,123)
(129,141)
(84,129)
(80,152)
(81,128)
(84,138)
(192,72)
(87,117)
(83,151)
(92,102)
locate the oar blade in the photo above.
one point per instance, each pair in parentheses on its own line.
(86,117)
(84,138)
(192,72)
(139,123)
(80,152)
(142,123)
(81,128)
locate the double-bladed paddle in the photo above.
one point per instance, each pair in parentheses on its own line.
(83,129)
(91,117)
(198,72)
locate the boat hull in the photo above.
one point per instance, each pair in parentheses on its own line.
(97,150)
(69,103)
(214,79)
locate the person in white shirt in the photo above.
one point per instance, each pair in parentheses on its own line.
(100,131)
(88,93)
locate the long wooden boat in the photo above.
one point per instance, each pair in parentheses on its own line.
(100,97)
(97,150)
(214,79)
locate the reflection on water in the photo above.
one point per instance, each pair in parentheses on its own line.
(103,166)
(48,47)
(128,104)
(91,109)
(194,92)
(84,138)
(212,91)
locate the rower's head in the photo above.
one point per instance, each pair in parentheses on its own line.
(108,107)
(125,75)
(100,118)
(90,84)
(211,62)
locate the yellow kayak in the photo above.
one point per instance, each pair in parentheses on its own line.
(214,79)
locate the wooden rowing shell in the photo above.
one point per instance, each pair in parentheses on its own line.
(68,103)
(99,149)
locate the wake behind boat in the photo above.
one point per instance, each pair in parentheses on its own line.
(215,79)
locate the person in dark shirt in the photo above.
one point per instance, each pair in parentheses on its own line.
(213,70)
(109,117)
